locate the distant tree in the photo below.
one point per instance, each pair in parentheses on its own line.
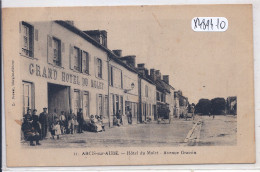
(203,106)
(218,106)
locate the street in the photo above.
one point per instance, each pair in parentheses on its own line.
(218,131)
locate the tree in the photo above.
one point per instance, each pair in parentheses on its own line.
(203,106)
(218,106)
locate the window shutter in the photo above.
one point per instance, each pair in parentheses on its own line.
(62,52)
(80,60)
(36,33)
(49,49)
(97,104)
(96,66)
(81,99)
(71,57)
(89,64)
(62,47)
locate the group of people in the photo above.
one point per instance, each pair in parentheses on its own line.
(117,118)
(36,127)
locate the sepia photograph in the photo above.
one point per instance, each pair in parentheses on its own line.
(154,84)
(77,92)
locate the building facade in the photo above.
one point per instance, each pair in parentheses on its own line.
(62,69)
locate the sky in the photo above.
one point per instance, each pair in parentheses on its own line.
(202,65)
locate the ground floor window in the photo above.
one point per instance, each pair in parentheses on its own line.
(100,105)
(86,104)
(28,101)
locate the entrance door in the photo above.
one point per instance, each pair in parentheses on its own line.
(58,98)
(86,105)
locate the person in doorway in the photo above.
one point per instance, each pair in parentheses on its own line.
(35,122)
(62,120)
(43,119)
(80,120)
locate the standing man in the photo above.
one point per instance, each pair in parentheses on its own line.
(28,117)
(63,120)
(43,119)
(70,122)
(80,120)
(129,115)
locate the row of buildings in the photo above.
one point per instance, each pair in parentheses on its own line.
(65,68)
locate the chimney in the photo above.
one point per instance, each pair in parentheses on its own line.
(98,35)
(141,68)
(140,65)
(166,78)
(130,60)
(118,52)
(146,72)
(152,74)
(158,75)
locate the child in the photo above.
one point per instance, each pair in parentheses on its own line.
(56,129)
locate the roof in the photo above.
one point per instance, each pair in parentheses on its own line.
(88,38)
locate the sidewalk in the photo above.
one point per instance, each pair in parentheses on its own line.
(222,130)
(137,135)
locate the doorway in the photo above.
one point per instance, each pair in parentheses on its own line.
(58,98)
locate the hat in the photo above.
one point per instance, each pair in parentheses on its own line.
(34,110)
(45,108)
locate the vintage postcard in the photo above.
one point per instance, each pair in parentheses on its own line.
(129,85)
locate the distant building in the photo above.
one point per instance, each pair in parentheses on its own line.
(164,94)
(181,104)
(231,105)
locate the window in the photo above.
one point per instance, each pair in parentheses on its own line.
(157,96)
(77,63)
(121,79)
(27,96)
(86,104)
(146,91)
(27,39)
(99,68)
(111,82)
(76,100)
(85,62)
(56,52)
(121,104)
